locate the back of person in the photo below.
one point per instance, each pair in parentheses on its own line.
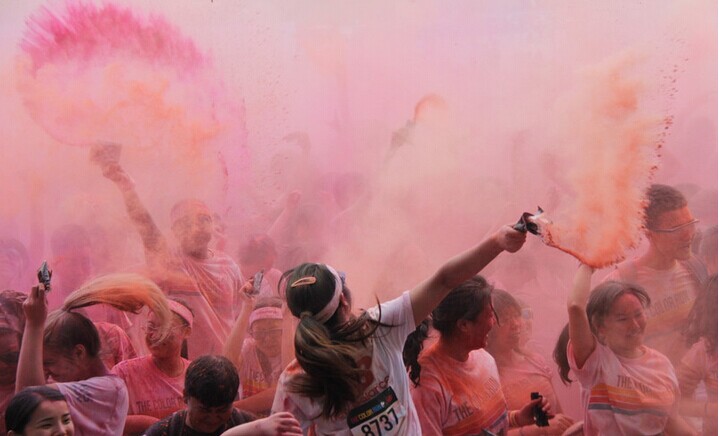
(381,405)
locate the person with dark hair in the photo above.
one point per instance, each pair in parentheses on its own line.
(211,386)
(628,388)
(208,280)
(155,382)
(668,271)
(39,411)
(700,363)
(521,371)
(66,349)
(468,399)
(348,376)
(708,249)
(12,324)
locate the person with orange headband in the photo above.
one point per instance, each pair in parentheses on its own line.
(155,382)
(208,280)
(349,377)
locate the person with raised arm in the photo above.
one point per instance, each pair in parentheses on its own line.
(349,376)
(208,280)
(628,388)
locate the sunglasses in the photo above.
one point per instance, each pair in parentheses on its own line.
(676,228)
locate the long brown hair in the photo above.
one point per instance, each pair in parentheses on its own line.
(326,351)
(66,328)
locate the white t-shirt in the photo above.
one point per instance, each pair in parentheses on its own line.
(98,405)
(626,396)
(385,408)
(460,398)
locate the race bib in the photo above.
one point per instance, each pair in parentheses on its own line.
(379,416)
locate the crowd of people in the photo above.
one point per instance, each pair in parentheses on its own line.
(199,344)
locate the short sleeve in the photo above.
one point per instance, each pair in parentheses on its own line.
(398,314)
(586,375)
(430,405)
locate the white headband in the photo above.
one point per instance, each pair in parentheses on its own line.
(327,312)
(268,312)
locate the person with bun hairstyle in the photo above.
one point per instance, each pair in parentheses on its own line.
(456,385)
(348,377)
(67,347)
(628,388)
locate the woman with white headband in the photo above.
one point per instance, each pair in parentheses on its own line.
(348,377)
(155,382)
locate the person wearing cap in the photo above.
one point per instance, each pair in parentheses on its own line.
(208,280)
(348,376)
(260,356)
(155,382)
(667,271)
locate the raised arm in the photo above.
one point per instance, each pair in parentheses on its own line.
(581,337)
(233,344)
(30,364)
(153,240)
(428,294)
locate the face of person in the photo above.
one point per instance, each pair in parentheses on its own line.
(51,418)
(61,367)
(9,353)
(206,419)
(194,231)
(673,233)
(623,329)
(507,332)
(480,328)
(171,346)
(268,336)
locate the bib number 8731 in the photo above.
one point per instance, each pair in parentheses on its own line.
(387,421)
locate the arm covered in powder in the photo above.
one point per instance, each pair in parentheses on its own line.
(428,294)
(155,244)
(581,336)
(233,344)
(30,370)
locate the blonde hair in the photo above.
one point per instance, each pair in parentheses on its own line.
(126,292)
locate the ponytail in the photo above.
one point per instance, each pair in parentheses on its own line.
(127,292)
(560,355)
(413,347)
(331,371)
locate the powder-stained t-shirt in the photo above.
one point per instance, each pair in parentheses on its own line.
(531,374)
(626,396)
(215,301)
(672,295)
(150,391)
(98,405)
(700,365)
(460,398)
(385,405)
(252,377)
